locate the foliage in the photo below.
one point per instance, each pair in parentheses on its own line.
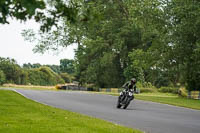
(46,12)
(169,90)
(34,74)
(67,66)
(134,71)
(185,40)
(147,90)
(102,57)
(155,41)
(55,68)
(66,77)
(43,76)
(162,79)
(19,9)
(151,20)
(146,87)
(2,77)
(12,71)
(29,65)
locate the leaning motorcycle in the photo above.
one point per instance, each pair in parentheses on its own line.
(124,99)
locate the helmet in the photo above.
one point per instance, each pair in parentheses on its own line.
(133,80)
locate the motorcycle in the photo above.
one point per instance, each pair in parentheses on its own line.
(124,99)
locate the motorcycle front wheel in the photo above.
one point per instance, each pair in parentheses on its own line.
(126,105)
(118,103)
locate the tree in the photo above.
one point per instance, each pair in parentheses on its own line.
(46,12)
(150,40)
(106,31)
(11,70)
(98,57)
(67,66)
(43,76)
(2,77)
(55,68)
(66,77)
(21,10)
(154,57)
(27,66)
(185,41)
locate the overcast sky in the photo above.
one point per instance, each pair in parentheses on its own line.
(13,45)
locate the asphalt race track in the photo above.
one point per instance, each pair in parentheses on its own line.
(146,116)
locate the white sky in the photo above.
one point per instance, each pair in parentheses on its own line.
(12,45)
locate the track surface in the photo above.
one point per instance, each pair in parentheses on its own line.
(146,116)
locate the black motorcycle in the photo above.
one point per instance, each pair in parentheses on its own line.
(124,99)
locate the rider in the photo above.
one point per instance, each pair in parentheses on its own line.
(129,86)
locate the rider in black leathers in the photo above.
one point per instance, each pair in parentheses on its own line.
(129,86)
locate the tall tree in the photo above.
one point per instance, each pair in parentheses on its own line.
(106,31)
(148,39)
(67,66)
(2,77)
(13,72)
(185,40)
(46,12)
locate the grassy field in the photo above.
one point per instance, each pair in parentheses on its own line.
(29,87)
(20,115)
(171,99)
(166,98)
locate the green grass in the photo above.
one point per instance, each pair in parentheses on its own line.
(30,88)
(166,98)
(20,115)
(171,99)
(26,87)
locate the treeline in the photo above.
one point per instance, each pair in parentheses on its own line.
(35,74)
(156,41)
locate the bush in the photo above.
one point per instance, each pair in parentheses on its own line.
(66,77)
(2,77)
(146,87)
(11,70)
(162,81)
(44,76)
(169,90)
(193,83)
(147,90)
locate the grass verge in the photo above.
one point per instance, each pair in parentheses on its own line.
(171,99)
(20,115)
(28,87)
(165,98)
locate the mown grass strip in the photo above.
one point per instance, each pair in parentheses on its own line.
(20,115)
(170,99)
(28,87)
(165,98)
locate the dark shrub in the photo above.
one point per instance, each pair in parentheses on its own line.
(168,90)
(2,77)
